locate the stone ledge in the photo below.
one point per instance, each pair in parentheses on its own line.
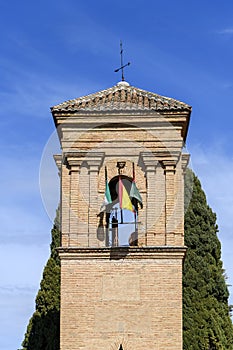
(117,253)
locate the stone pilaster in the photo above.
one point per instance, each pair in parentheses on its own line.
(181,202)
(149,163)
(94,162)
(74,207)
(169,171)
(76,236)
(65,205)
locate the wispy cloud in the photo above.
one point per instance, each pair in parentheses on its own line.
(86,33)
(226,31)
(19,289)
(32,95)
(31,91)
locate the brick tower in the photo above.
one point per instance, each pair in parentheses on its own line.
(121,260)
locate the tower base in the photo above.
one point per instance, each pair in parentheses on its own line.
(124,296)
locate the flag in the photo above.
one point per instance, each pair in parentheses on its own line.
(107,196)
(124,200)
(134,193)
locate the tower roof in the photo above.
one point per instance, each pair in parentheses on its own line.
(122,97)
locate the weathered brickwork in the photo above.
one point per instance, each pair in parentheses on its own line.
(123,295)
(135,300)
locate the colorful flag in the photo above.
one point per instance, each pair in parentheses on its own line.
(134,192)
(124,200)
(107,196)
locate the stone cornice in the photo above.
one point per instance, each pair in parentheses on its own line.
(124,253)
(147,120)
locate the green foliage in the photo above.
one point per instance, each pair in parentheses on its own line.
(206,319)
(43,328)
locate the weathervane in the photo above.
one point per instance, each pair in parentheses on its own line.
(122,65)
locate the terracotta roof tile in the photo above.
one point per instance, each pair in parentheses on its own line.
(121,97)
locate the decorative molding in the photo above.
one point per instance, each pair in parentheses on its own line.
(169,165)
(74,160)
(95,161)
(147,162)
(122,253)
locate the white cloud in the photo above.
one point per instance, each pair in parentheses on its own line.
(226,31)
(33,96)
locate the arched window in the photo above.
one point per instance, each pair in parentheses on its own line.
(121,214)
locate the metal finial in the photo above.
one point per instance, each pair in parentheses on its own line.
(122,65)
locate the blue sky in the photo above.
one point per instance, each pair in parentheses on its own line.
(52,51)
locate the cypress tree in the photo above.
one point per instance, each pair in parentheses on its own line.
(43,328)
(206,314)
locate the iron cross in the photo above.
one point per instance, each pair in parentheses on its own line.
(122,65)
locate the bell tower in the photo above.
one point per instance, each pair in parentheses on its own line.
(122,219)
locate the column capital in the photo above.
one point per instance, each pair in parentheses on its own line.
(148,162)
(94,161)
(74,160)
(169,165)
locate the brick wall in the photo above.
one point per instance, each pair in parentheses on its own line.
(135,300)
